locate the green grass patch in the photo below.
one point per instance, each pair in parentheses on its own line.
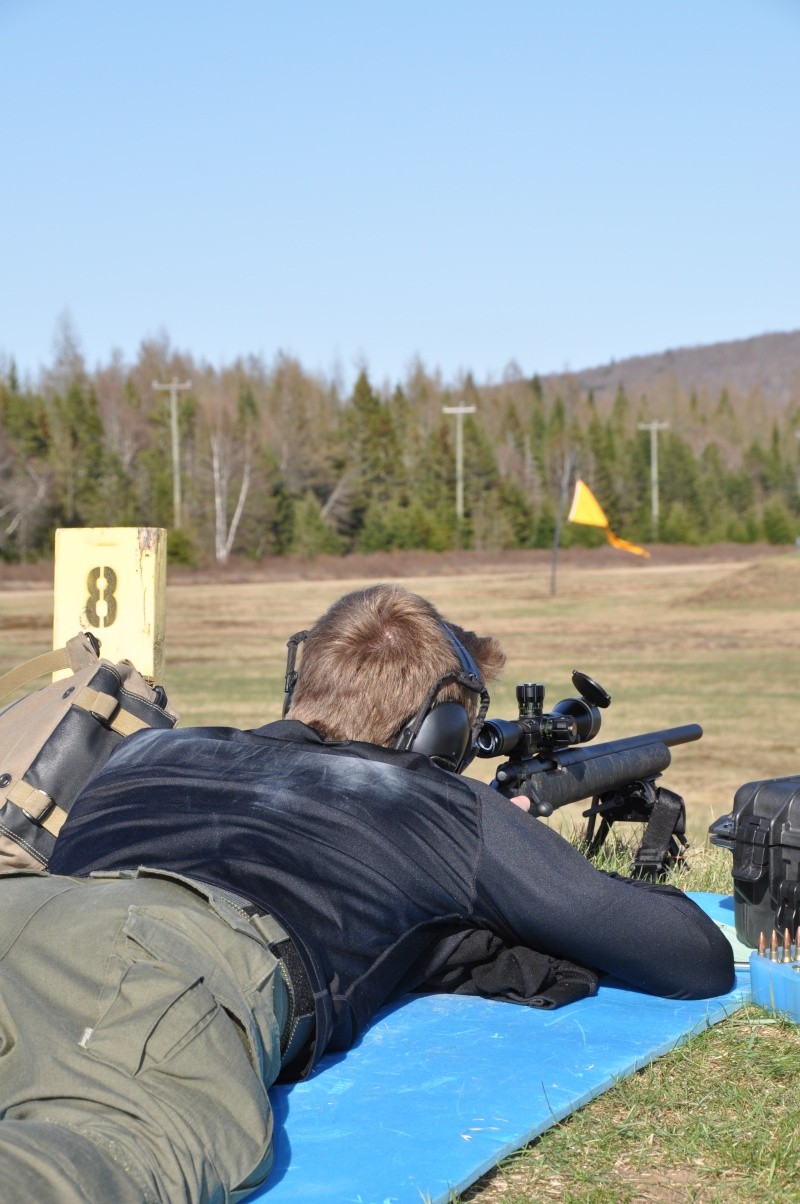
(714,1121)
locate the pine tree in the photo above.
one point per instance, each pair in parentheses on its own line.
(311,534)
(77,454)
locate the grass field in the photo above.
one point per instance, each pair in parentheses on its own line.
(711,641)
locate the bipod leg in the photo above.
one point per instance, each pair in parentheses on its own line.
(596,840)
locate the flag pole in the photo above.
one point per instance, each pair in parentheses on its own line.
(565,480)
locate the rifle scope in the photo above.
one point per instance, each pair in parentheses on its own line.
(571,721)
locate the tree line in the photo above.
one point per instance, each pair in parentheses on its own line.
(276,460)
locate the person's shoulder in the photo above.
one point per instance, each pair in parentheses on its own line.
(292,732)
(171,744)
(184,735)
(482,790)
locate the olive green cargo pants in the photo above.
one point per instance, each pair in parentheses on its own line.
(140,1027)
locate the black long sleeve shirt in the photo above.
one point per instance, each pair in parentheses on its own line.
(373,859)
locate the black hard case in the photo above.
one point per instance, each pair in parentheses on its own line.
(765,830)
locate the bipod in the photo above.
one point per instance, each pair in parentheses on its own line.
(662,811)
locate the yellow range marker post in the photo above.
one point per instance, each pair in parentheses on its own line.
(111,581)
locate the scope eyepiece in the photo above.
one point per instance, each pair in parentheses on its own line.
(498,738)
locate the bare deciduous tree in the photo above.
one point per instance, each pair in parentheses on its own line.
(222,457)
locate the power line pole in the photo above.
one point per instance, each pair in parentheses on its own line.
(654,428)
(459,412)
(562,505)
(174,387)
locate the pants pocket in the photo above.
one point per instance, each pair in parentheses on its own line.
(175,1059)
(155,1013)
(237,968)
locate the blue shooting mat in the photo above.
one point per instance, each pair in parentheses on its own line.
(442,1087)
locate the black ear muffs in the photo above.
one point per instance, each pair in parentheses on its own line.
(444,731)
(444,734)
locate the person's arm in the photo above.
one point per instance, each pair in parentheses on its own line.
(537,889)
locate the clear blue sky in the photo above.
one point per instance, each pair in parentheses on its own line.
(556,184)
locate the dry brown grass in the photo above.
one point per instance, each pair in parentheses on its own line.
(707,639)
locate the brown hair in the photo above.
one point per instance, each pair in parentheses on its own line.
(370,660)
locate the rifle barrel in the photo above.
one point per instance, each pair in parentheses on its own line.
(668,735)
(584,770)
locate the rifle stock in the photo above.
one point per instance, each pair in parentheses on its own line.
(553,779)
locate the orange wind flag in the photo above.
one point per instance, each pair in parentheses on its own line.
(587,510)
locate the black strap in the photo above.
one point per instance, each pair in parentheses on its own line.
(664,837)
(663,812)
(302,994)
(298,1031)
(298,1028)
(290,680)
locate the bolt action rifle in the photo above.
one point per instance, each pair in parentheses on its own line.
(619,776)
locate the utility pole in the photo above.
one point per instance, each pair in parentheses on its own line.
(174,387)
(459,412)
(562,505)
(654,428)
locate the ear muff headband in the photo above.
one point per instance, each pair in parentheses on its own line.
(290,680)
(468,666)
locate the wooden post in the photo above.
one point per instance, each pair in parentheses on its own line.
(112,582)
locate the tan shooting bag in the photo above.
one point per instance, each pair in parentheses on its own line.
(54,739)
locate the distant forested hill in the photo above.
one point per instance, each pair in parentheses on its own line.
(274,459)
(768,364)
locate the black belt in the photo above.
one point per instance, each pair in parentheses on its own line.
(298,1028)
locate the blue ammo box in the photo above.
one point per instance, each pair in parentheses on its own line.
(776,986)
(763,834)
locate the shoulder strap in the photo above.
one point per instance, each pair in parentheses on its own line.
(76,654)
(28,671)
